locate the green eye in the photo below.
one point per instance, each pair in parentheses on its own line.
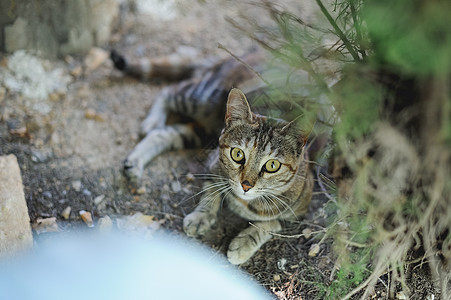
(272,166)
(237,155)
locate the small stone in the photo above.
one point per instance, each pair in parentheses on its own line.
(92,114)
(76,185)
(87,192)
(99,199)
(86,217)
(276,277)
(314,250)
(95,58)
(190,177)
(141,190)
(307,232)
(281,264)
(2,93)
(76,71)
(54,97)
(47,194)
(17,128)
(45,225)
(138,223)
(66,213)
(38,157)
(401,296)
(176,187)
(105,224)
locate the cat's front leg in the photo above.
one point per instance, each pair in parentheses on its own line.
(200,221)
(248,241)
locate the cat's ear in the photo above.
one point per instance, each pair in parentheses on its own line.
(293,129)
(238,108)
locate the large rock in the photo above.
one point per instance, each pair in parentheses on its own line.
(56,28)
(15,230)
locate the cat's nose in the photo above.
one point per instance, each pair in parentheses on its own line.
(246,185)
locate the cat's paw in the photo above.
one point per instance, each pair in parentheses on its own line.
(132,170)
(241,249)
(197,224)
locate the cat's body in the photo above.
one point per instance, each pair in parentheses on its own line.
(260,168)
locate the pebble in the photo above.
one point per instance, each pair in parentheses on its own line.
(190,177)
(401,296)
(76,185)
(2,93)
(176,186)
(95,58)
(66,213)
(281,264)
(105,224)
(45,225)
(99,199)
(17,128)
(39,157)
(87,192)
(276,277)
(141,190)
(86,217)
(138,223)
(47,194)
(92,114)
(314,250)
(307,232)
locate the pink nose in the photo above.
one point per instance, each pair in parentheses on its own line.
(246,186)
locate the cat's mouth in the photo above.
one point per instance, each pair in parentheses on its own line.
(246,196)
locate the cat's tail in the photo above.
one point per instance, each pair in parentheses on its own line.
(176,66)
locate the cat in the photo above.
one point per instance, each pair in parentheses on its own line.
(260,168)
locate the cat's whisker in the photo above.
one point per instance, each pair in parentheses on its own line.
(283,203)
(206,188)
(266,198)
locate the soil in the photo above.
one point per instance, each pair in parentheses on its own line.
(74,154)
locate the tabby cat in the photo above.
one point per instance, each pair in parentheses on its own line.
(260,168)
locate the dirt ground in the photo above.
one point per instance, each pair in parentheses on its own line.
(72,156)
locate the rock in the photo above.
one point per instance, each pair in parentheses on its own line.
(17,128)
(314,250)
(15,231)
(76,185)
(46,225)
(105,224)
(87,192)
(142,190)
(307,232)
(92,114)
(95,58)
(176,186)
(68,26)
(138,224)
(99,199)
(86,217)
(66,213)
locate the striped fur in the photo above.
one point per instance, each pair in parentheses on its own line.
(248,188)
(260,167)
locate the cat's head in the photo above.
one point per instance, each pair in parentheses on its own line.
(259,155)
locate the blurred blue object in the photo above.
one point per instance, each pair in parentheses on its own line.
(87,266)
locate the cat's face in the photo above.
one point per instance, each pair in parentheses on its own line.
(259,156)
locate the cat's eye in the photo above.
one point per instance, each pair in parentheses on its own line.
(237,155)
(272,166)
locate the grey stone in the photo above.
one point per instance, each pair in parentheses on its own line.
(15,230)
(56,28)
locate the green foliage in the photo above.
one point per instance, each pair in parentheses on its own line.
(413,36)
(384,43)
